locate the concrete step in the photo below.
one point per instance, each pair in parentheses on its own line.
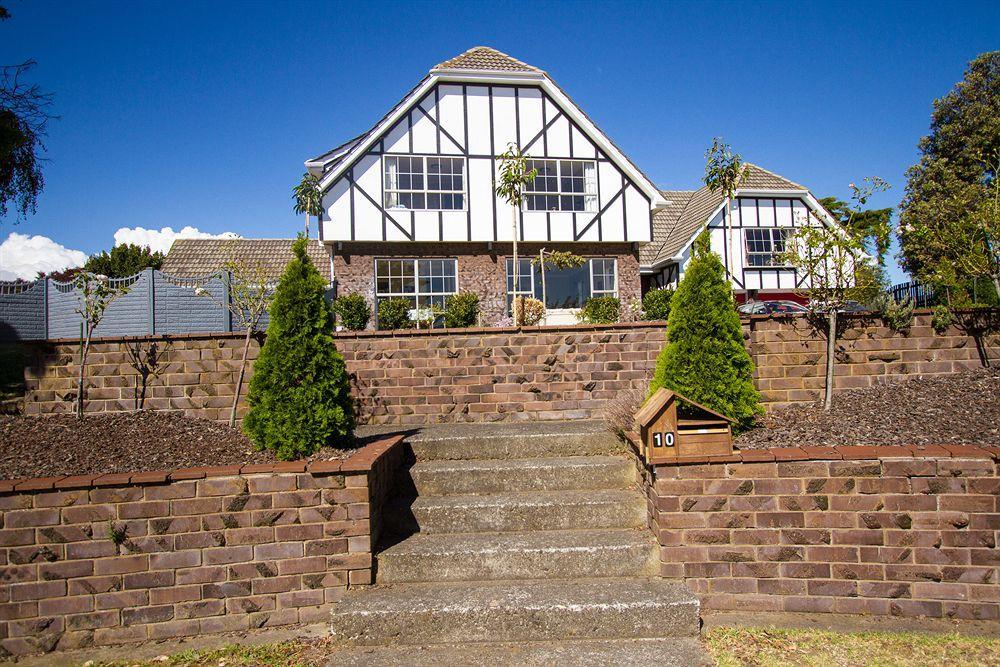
(515,611)
(555,554)
(499,512)
(514,441)
(672,652)
(487,476)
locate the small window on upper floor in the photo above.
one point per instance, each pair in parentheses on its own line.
(424,183)
(563,185)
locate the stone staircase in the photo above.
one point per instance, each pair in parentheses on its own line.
(518,545)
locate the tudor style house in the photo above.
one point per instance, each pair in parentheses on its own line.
(409,209)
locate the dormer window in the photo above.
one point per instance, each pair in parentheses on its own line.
(424,183)
(563,185)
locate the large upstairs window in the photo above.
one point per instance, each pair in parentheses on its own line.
(424,183)
(765,245)
(563,185)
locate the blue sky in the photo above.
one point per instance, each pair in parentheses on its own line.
(201,114)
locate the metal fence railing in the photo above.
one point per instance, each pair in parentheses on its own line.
(920,294)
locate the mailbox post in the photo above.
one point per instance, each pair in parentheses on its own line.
(664,436)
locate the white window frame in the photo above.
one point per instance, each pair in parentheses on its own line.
(787,231)
(416,293)
(604,292)
(425,191)
(589,194)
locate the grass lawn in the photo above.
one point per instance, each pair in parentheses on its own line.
(282,654)
(771,647)
(730,647)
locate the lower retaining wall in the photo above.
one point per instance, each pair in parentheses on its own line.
(463,375)
(855,530)
(118,558)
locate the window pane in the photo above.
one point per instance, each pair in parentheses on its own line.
(567,288)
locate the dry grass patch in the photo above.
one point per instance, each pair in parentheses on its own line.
(774,647)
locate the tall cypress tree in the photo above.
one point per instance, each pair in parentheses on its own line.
(705,358)
(300,398)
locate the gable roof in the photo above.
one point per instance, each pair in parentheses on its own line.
(486,59)
(478,64)
(662,397)
(673,228)
(194,258)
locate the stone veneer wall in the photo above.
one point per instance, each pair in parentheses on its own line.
(203,550)
(480,374)
(857,530)
(481,269)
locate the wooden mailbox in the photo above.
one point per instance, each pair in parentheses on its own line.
(664,436)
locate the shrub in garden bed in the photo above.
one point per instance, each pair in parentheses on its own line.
(656,303)
(353,311)
(299,398)
(600,310)
(461,310)
(705,358)
(394,314)
(531,310)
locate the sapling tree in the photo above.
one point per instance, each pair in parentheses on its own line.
(144,358)
(559,260)
(94,294)
(249,298)
(725,172)
(308,198)
(834,269)
(514,179)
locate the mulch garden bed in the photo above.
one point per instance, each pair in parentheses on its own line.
(962,409)
(124,442)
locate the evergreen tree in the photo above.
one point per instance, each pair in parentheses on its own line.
(705,358)
(299,396)
(124,260)
(950,218)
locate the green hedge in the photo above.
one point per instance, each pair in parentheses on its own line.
(601,310)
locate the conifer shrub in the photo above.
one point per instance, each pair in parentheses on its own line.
(461,310)
(394,314)
(705,358)
(353,311)
(299,398)
(656,303)
(600,310)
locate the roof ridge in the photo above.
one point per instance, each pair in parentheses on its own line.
(776,175)
(455,62)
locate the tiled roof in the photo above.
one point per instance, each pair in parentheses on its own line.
(485,58)
(673,228)
(664,221)
(202,257)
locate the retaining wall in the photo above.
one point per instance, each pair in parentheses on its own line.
(858,530)
(201,550)
(412,377)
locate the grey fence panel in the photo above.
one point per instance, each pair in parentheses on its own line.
(179,308)
(154,303)
(22,311)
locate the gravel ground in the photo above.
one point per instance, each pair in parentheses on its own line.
(961,409)
(123,442)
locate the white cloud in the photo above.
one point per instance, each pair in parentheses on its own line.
(161,239)
(23,256)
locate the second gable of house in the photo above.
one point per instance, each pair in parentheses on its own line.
(427,171)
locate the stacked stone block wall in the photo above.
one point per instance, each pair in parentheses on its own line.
(479,374)
(108,559)
(857,530)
